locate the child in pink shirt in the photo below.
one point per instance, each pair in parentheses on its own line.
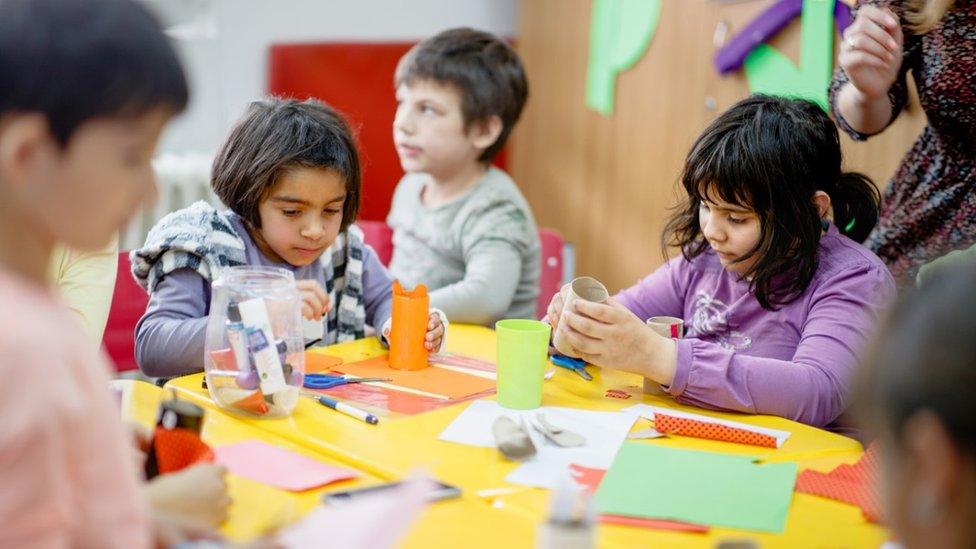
(86,87)
(67,477)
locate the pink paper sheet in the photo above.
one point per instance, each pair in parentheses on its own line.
(278,467)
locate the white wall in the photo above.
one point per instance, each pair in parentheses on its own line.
(225,53)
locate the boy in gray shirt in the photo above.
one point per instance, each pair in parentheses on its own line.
(460,226)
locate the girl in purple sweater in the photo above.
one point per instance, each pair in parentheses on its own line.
(776,294)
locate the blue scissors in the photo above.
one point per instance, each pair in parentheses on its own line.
(574,364)
(328,381)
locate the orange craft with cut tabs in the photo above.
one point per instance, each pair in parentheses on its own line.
(408,334)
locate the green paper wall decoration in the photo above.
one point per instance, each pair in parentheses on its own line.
(769,71)
(620,32)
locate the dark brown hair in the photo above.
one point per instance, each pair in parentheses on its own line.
(483,68)
(76,60)
(274,136)
(924,358)
(770,155)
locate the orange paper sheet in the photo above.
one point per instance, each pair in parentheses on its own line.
(316,363)
(439,381)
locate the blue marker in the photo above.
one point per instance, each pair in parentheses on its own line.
(347,409)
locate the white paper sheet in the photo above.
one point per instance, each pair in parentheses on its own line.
(647,411)
(604,433)
(367,522)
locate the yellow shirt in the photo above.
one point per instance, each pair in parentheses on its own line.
(86,281)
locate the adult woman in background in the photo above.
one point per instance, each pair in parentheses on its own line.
(929,208)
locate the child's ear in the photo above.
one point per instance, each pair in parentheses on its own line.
(484,133)
(822,202)
(23,142)
(935,467)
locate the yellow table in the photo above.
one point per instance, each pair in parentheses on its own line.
(258,508)
(396,446)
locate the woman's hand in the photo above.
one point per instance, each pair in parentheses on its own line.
(871,52)
(315,302)
(609,335)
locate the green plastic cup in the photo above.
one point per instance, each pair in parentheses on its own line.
(523,347)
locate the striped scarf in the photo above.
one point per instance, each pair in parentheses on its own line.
(203,239)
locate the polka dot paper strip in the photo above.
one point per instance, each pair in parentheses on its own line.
(701,429)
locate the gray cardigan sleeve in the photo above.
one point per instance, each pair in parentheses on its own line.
(491,276)
(171,334)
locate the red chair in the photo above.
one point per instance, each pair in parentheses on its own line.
(357,79)
(551,275)
(379,235)
(128,304)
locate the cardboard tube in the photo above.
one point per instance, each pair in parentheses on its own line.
(667,326)
(586,288)
(408,334)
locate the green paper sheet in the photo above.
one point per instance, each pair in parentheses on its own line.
(769,71)
(620,31)
(652,481)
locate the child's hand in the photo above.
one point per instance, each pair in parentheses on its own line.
(871,52)
(315,302)
(170,530)
(555,310)
(435,333)
(609,335)
(197,494)
(140,436)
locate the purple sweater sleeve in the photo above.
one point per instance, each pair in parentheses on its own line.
(659,294)
(812,387)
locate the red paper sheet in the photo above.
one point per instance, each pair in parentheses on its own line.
(671,525)
(471,363)
(855,484)
(390,402)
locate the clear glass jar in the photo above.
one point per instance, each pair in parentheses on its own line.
(255,354)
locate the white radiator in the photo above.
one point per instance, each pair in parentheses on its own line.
(181,180)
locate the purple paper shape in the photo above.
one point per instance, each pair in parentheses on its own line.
(762,28)
(842,15)
(733,54)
